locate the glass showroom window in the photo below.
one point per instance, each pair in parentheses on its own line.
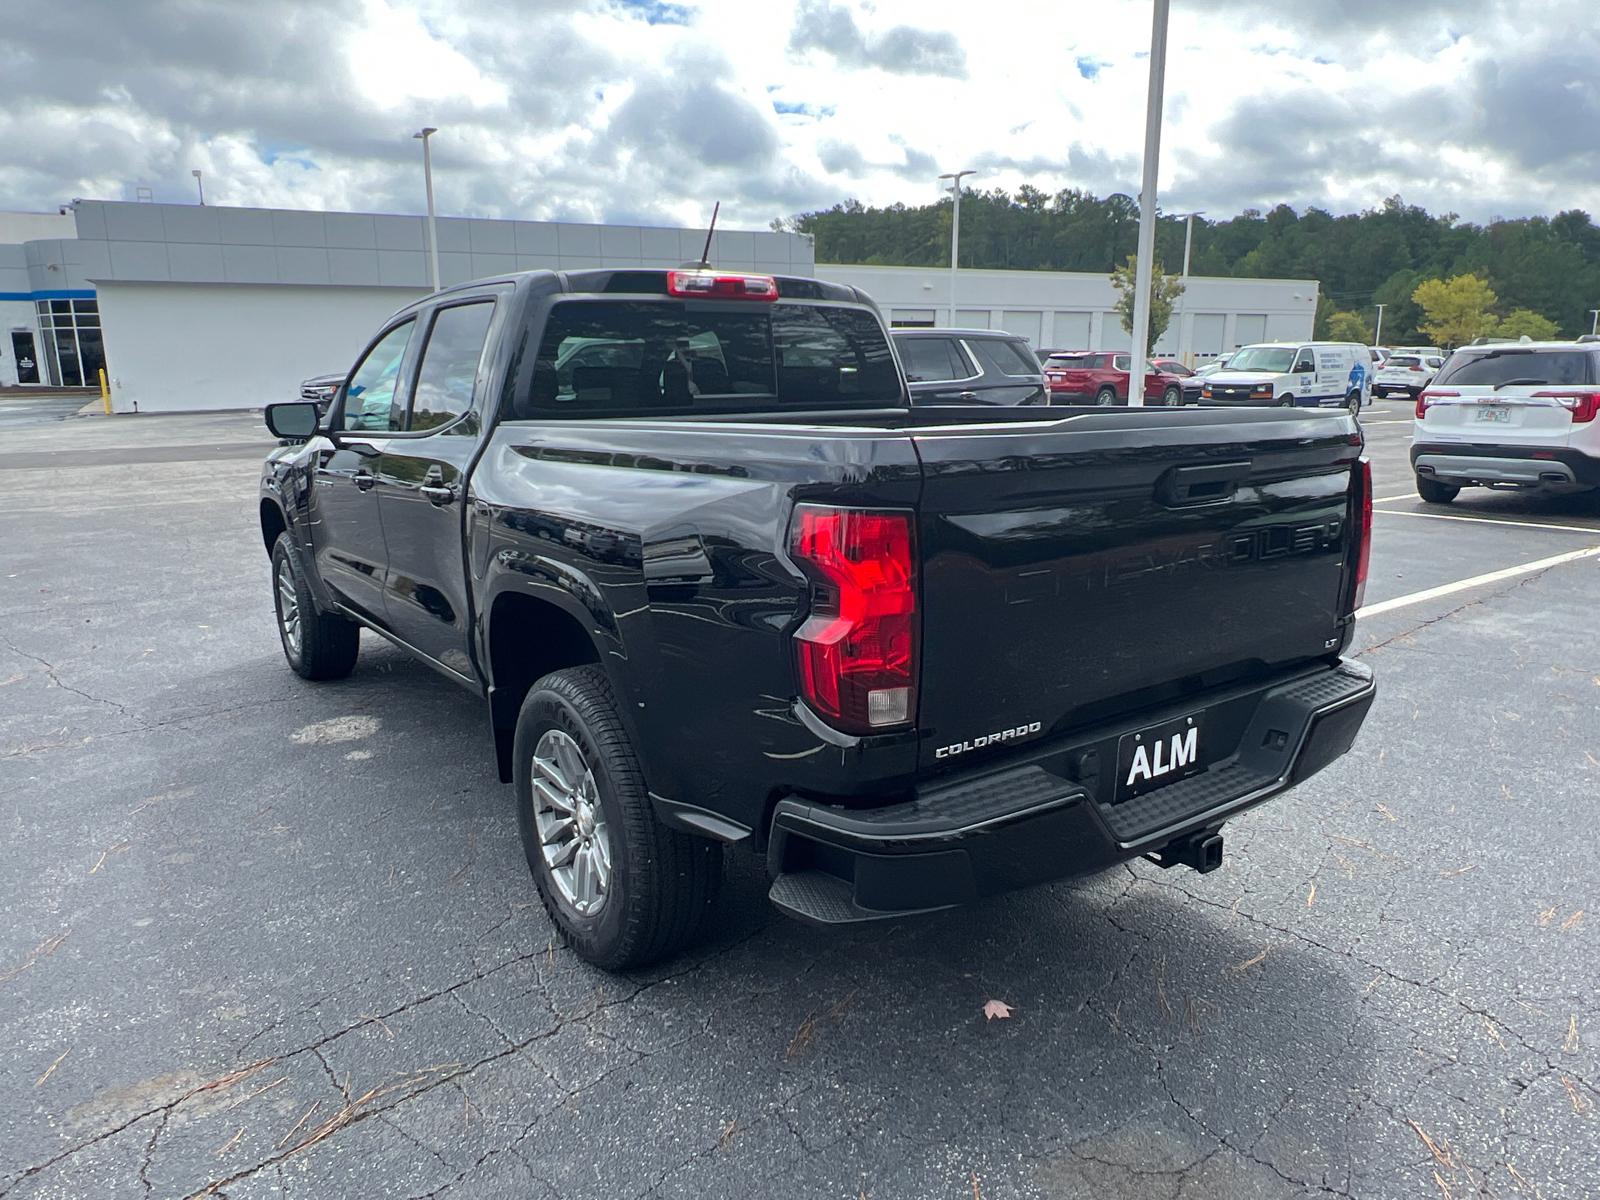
(73,351)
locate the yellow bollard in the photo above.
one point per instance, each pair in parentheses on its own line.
(105,391)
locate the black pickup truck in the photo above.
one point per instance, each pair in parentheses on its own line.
(720,583)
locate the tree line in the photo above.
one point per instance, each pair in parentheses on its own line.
(1546,267)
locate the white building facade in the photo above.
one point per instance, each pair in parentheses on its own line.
(1060,310)
(194,308)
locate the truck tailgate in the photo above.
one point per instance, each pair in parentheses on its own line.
(1082,569)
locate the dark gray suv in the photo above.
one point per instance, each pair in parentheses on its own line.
(970,366)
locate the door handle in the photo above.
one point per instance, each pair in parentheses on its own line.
(966,395)
(363,481)
(438,493)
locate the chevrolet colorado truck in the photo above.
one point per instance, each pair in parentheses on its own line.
(721,584)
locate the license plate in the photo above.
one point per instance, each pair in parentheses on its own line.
(1498,414)
(1162,754)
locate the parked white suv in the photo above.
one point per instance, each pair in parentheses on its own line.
(1519,415)
(1409,370)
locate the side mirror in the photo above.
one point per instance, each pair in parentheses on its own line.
(296,420)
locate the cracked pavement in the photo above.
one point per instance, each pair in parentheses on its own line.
(240,963)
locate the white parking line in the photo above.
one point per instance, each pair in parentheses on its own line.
(1401,496)
(1399,421)
(1543,564)
(1485,521)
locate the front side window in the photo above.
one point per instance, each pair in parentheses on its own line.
(930,360)
(1004,357)
(449,368)
(374,399)
(1514,367)
(617,357)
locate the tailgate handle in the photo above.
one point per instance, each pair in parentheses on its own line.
(1201,485)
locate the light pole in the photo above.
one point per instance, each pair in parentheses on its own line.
(955,234)
(199,183)
(1377,334)
(427,175)
(1594,326)
(1184,333)
(1147,204)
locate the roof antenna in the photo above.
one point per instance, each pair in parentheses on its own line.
(705,256)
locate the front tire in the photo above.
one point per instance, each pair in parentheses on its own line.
(318,645)
(1435,492)
(1172,397)
(623,889)
(1106,397)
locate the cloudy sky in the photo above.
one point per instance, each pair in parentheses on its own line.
(649,110)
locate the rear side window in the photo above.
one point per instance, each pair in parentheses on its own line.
(1004,357)
(929,359)
(1518,367)
(449,368)
(620,357)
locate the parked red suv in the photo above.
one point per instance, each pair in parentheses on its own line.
(1101,377)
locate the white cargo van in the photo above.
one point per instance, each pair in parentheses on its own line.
(1309,374)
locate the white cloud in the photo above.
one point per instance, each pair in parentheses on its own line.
(654,109)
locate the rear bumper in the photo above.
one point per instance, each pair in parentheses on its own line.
(1050,815)
(1467,464)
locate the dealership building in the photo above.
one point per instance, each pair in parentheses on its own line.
(201,307)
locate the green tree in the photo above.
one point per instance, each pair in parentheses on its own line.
(1163,294)
(1525,322)
(1457,309)
(1348,327)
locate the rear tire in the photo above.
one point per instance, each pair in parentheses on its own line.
(1435,492)
(1106,397)
(658,884)
(318,645)
(1353,403)
(1172,397)
(1379,393)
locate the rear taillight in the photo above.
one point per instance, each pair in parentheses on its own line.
(1583,405)
(857,652)
(1428,397)
(718,286)
(1363,482)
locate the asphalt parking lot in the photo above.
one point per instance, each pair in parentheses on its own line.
(266,938)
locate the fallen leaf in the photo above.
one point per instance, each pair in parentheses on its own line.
(1544,917)
(1580,1102)
(1459,871)
(1312,897)
(1384,809)
(1572,921)
(1569,1044)
(996,1008)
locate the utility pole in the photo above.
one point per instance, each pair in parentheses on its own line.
(955,235)
(427,175)
(1377,334)
(199,183)
(1147,204)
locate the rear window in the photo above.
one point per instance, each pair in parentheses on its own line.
(1069,362)
(1404,360)
(621,357)
(1511,366)
(1003,356)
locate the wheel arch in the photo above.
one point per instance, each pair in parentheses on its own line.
(527,637)
(273,522)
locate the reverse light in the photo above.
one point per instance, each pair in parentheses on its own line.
(1431,396)
(1363,482)
(857,652)
(1584,405)
(715,285)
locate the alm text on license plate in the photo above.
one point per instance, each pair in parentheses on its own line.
(1162,754)
(1499,414)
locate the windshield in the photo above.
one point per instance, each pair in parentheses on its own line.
(616,357)
(1518,367)
(1273,359)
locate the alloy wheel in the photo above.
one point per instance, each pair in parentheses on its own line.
(288,606)
(573,837)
